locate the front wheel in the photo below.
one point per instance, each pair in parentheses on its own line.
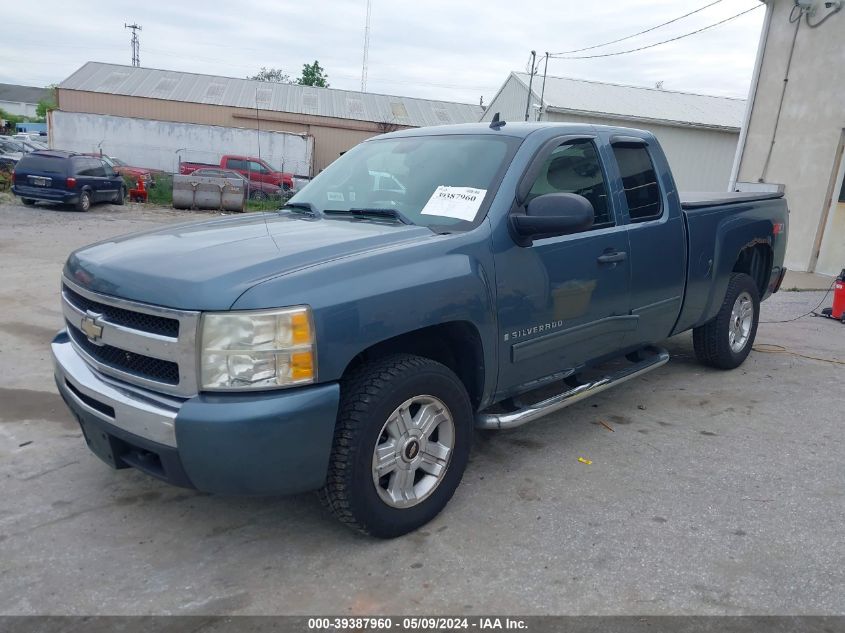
(28,201)
(120,196)
(726,341)
(401,445)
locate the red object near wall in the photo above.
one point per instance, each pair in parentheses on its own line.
(139,193)
(838,309)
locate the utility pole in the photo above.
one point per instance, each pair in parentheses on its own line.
(543,91)
(136,43)
(366,47)
(530,83)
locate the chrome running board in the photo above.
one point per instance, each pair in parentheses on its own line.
(657,357)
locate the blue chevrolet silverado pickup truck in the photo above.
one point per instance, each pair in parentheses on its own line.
(349,342)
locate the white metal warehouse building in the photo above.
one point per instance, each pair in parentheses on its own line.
(699,133)
(132,103)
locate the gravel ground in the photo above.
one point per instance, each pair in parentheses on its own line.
(714,493)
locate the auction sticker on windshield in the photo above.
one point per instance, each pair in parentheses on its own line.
(462,203)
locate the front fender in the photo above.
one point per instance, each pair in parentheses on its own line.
(368,298)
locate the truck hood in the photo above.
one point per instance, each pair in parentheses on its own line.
(208,265)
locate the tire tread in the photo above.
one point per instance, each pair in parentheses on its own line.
(359,393)
(710,340)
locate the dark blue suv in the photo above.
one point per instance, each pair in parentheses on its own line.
(67,178)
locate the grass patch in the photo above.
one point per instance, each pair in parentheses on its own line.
(162,193)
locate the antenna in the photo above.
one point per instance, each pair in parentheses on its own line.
(497,123)
(366,47)
(136,43)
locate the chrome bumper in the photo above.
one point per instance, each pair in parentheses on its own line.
(150,417)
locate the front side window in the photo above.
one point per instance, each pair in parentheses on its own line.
(639,179)
(444,181)
(575,167)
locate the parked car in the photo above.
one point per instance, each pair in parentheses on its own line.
(67,178)
(255,190)
(16,148)
(255,169)
(350,342)
(32,137)
(136,173)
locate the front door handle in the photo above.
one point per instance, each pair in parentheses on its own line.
(612,257)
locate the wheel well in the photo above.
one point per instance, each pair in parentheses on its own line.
(456,344)
(756,262)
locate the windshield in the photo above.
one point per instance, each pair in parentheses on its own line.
(444,181)
(114,161)
(110,162)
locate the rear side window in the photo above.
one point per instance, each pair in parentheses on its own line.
(639,179)
(235,163)
(36,163)
(88,167)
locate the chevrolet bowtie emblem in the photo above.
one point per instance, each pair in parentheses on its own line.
(91,326)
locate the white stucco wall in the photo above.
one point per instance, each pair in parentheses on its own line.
(154,144)
(807,148)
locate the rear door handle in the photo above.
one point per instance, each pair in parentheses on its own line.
(612,257)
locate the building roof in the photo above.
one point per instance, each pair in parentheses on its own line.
(246,93)
(23,94)
(637,103)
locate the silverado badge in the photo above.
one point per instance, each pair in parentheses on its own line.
(91,326)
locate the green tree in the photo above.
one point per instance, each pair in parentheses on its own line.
(313,75)
(48,104)
(272,74)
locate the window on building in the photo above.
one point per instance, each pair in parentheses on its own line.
(398,110)
(842,192)
(639,179)
(575,167)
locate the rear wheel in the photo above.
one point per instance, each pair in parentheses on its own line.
(726,341)
(401,445)
(258,195)
(84,202)
(28,201)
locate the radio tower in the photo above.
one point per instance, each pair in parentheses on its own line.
(366,48)
(136,44)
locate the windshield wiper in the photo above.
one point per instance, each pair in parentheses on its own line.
(374,212)
(301,206)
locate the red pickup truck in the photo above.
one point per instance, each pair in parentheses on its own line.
(255,169)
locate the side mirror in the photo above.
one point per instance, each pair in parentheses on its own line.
(553,214)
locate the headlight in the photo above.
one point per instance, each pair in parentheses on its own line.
(257,350)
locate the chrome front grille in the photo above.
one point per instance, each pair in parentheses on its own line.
(138,343)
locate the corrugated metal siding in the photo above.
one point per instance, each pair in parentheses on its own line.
(244,93)
(331,136)
(700,159)
(509,102)
(579,95)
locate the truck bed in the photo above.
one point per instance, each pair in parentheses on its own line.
(697,200)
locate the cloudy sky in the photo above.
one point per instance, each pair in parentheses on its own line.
(438,49)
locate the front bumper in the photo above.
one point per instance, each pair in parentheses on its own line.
(264,443)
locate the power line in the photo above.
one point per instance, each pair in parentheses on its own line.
(649,30)
(673,39)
